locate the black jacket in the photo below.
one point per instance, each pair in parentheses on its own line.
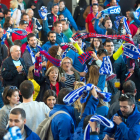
(44,83)
(37,5)
(78,15)
(3,53)
(10,74)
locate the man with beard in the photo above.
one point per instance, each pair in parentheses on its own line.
(31,50)
(52,41)
(17,118)
(126,121)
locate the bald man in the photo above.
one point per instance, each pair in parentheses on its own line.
(14,71)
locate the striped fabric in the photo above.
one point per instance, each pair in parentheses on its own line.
(84,57)
(70,79)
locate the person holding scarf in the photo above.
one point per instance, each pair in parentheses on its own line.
(31,50)
(15,13)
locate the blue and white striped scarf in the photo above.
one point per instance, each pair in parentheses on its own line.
(14,133)
(70,98)
(99,119)
(131,51)
(31,53)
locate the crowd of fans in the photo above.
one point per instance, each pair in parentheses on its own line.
(37,73)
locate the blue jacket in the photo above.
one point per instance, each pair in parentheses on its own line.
(62,125)
(48,45)
(50,20)
(137,21)
(98,29)
(30,134)
(76,63)
(67,14)
(89,109)
(61,38)
(129,129)
(79,135)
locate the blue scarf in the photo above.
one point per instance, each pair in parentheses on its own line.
(137,13)
(117,21)
(111,10)
(31,53)
(14,133)
(131,51)
(70,98)
(126,26)
(99,119)
(9,31)
(12,11)
(43,12)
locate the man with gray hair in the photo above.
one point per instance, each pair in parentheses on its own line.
(132,26)
(33,22)
(14,71)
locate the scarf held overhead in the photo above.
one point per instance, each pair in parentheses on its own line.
(71,97)
(93,35)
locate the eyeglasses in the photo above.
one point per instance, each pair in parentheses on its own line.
(109,45)
(66,63)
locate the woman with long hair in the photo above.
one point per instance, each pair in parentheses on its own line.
(50,98)
(8,23)
(51,80)
(10,99)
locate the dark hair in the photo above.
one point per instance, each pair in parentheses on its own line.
(53,51)
(24,14)
(110,32)
(22,22)
(51,32)
(108,41)
(2,133)
(63,2)
(55,5)
(61,15)
(57,22)
(82,3)
(8,92)
(92,44)
(127,97)
(18,42)
(86,120)
(106,18)
(102,51)
(6,23)
(64,20)
(129,86)
(62,93)
(30,35)
(48,93)
(26,89)
(5,12)
(17,111)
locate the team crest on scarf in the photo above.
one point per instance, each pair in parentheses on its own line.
(131,50)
